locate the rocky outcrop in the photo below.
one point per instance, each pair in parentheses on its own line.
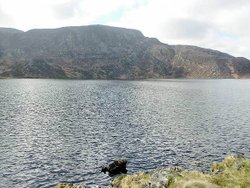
(103,52)
(36,68)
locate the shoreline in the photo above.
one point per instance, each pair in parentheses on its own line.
(117,79)
(233,171)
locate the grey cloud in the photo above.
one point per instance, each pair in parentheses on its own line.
(186,29)
(66,10)
(4,18)
(229,3)
(212,7)
(1,15)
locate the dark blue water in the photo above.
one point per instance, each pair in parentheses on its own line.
(63,131)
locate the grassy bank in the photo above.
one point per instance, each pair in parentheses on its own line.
(232,172)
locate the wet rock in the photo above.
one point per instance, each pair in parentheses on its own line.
(116,167)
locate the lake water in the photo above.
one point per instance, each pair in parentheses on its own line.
(64,130)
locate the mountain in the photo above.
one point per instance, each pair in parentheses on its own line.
(104,52)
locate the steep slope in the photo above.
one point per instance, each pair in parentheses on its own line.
(103,52)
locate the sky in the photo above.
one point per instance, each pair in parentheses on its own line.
(223,25)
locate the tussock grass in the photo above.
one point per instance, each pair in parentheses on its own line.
(232,172)
(137,180)
(69,185)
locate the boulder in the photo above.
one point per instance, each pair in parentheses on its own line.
(116,167)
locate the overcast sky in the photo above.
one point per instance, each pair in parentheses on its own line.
(219,24)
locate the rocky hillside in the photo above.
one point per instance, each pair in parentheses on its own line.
(103,52)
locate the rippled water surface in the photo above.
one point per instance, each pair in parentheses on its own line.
(63,131)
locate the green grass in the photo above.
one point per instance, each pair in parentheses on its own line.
(232,172)
(69,185)
(136,181)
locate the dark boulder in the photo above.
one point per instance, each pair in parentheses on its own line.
(116,167)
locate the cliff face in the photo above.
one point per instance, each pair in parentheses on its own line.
(103,52)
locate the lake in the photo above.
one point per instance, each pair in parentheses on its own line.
(64,130)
